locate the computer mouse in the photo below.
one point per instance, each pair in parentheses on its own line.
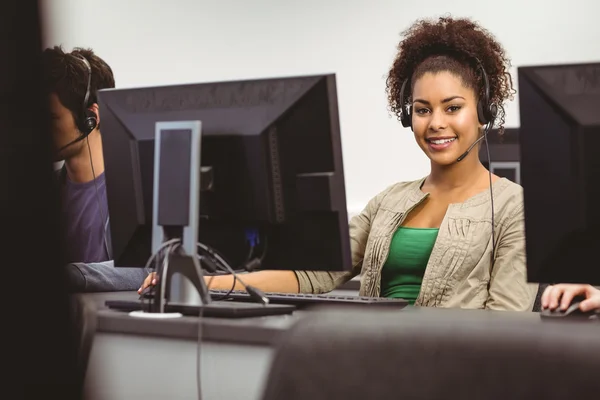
(572,311)
(148,293)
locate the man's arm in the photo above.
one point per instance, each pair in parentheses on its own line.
(102,277)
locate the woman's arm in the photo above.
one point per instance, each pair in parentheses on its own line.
(267,281)
(509,289)
(305,281)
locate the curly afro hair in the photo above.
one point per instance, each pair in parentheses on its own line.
(454,45)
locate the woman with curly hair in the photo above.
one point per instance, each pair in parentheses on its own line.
(454,238)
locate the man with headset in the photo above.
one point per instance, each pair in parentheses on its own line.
(71,80)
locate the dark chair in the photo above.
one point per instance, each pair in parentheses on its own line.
(435,354)
(83,315)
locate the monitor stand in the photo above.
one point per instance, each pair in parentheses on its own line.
(181,289)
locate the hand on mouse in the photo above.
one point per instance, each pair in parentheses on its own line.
(149,281)
(562,294)
(152,280)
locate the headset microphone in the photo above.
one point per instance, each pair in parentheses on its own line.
(466,153)
(80,138)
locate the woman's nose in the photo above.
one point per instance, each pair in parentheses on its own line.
(438,121)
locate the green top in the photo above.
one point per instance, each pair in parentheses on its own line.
(403,270)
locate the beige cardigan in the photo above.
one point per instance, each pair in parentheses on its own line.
(459,272)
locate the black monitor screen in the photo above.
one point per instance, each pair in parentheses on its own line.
(560,171)
(272,161)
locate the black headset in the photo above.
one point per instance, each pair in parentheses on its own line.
(486,111)
(88,120)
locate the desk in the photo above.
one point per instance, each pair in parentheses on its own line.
(134,358)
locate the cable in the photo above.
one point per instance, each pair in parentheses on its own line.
(160,249)
(223,265)
(226,295)
(171,248)
(215,251)
(256,262)
(199,355)
(266,246)
(254,293)
(487,148)
(198,347)
(249,257)
(173,244)
(156,260)
(163,271)
(212,257)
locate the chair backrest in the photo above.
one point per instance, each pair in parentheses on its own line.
(83,314)
(435,354)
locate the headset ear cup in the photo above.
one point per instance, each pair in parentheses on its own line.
(482,113)
(406,117)
(486,114)
(89,122)
(493,111)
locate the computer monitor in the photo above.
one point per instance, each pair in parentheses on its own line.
(272,163)
(560,171)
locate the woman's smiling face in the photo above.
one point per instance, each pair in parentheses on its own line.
(444,116)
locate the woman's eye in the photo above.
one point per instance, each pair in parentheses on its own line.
(422,110)
(453,108)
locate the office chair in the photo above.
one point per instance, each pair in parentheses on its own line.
(83,316)
(434,354)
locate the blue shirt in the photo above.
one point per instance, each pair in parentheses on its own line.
(84,212)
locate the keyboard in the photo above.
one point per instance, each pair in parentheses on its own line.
(217,309)
(302,300)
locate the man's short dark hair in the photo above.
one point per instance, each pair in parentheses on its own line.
(66,75)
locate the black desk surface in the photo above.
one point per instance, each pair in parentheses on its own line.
(258,331)
(265,330)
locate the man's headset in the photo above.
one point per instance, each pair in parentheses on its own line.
(486,110)
(87,120)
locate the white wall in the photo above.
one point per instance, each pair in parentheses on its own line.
(157,42)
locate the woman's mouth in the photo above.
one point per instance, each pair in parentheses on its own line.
(440,143)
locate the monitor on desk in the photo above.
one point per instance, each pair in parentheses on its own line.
(560,171)
(271,164)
